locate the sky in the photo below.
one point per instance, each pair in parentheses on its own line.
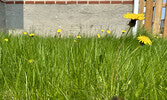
(163,11)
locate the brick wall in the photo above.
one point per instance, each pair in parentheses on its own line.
(73,17)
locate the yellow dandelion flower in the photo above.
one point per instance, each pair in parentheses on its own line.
(31,61)
(144,40)
(123,31)
(32,35)
(78,37)
(6,40)
(75,41)
(156,36)
(134,16)
(102,30)
(25,33)
(108,31)
(59,30)
(98,35)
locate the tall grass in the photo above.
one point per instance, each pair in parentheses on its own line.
(65,70)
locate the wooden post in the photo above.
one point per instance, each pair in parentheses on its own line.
(149,15)
(165,24)
(157,17)
(141,9)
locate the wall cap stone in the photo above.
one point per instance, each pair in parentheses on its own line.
(67,2)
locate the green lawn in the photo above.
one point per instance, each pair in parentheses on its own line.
(62,69)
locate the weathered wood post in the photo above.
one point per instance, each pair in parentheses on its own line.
(165,24)
(141,9)
(157,17)
(149,15)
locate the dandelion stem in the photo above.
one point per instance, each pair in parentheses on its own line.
(125,61)
(117,55)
